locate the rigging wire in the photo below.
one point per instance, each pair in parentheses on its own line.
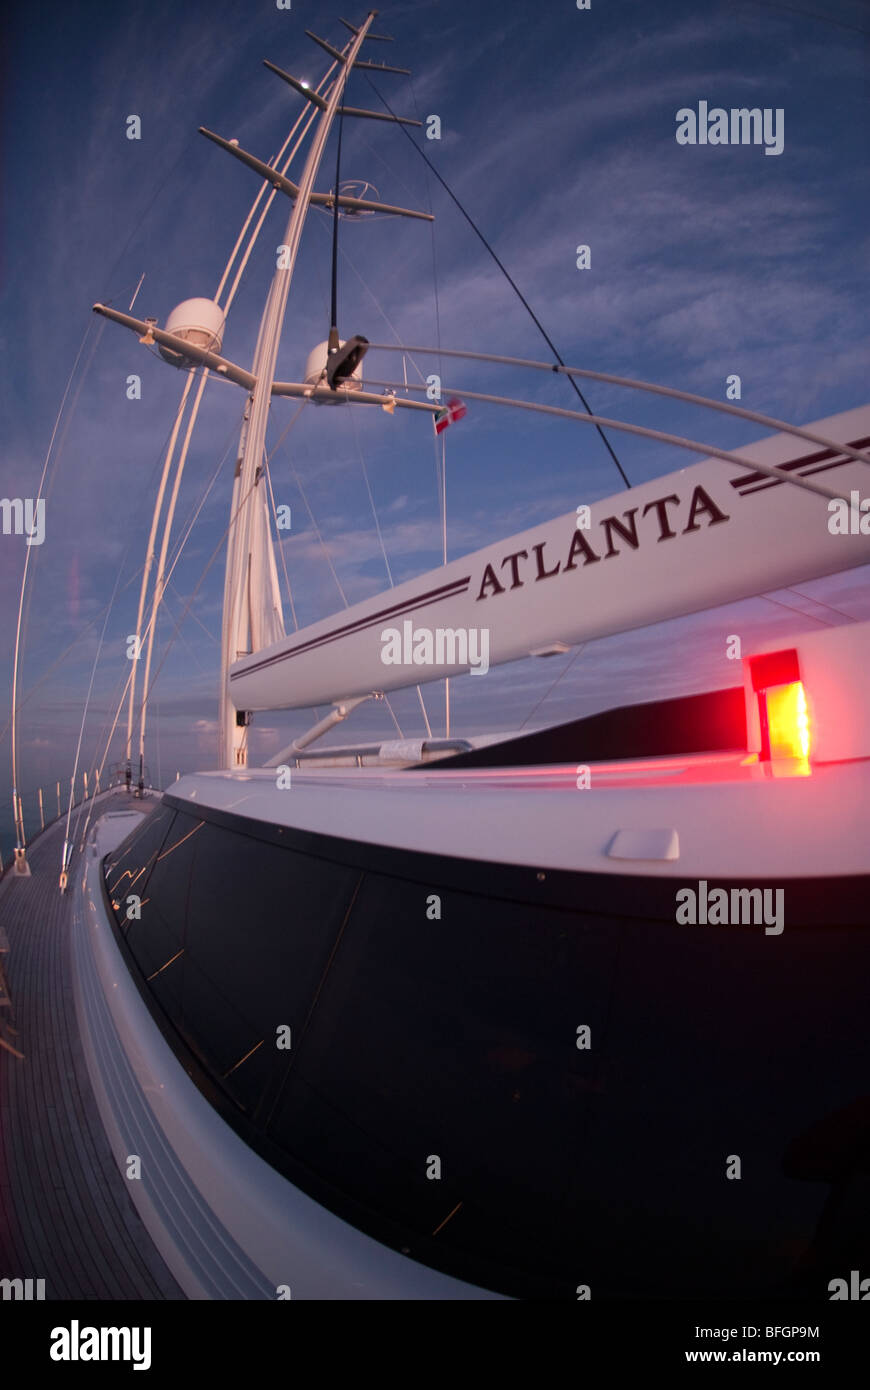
(790,608)
(441,474)
(295,416)
(810,14)
(808,599)
(136,293)
(200,581)
(149,548)
(337,249)
(21,623)
(441,478)
(67,847)
(345,256)
(156,598)
(268,459)
(116,702)
(382,311)
(175,559)
(118,694)
(130,680)
(157,741)
(548,340)
(392,714)
(196,618)
(547,693)
(425,714)
(365,474)
(320,539)
(632,384)
(160,580)
(267,470)
(187,607)
(779,603)
(334,308)
(443,499)
(181,637)
(136,225)
(94,770)
(64,654)
(799,480)
(384,553)
(305,118)
(239,616)
(105,754)
(323,544)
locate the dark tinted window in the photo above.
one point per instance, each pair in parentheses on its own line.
(232,942)
(262,922)
(128,866)
(457,1039)
(158,940)
(265,920)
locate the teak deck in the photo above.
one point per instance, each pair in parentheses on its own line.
(65,1213)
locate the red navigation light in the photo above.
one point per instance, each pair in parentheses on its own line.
(782,705)
(787,721)
(774,668)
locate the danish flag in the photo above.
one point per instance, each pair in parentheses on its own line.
(453,410)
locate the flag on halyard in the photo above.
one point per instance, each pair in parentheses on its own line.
(453,410)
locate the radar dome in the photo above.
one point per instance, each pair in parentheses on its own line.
(198,321)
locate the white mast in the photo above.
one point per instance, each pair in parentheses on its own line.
(252,616)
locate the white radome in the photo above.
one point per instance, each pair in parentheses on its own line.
(198,321)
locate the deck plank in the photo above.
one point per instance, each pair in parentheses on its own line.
(66,1214)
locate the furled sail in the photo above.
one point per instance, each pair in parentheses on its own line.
(708,534)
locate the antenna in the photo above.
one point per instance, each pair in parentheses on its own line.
(333,344)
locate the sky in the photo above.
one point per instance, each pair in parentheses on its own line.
(557,129)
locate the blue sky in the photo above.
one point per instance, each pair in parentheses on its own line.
(557,129)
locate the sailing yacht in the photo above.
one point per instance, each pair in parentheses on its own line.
(576,1013)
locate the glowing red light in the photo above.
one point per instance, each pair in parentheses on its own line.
(787,720)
